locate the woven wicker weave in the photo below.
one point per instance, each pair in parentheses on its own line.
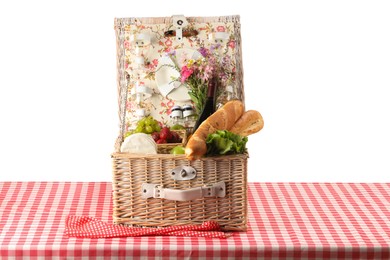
(130,171)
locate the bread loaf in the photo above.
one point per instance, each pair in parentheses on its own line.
(250,122)
(223,119)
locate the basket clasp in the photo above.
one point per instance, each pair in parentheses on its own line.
(183,173)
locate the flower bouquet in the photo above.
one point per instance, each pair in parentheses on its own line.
(196,73)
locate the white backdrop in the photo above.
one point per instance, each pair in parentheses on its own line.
(318,71)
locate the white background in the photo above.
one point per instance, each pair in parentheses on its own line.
(318,71)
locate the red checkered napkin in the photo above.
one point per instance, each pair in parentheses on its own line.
(88,227)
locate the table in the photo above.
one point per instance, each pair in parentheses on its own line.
(308,220)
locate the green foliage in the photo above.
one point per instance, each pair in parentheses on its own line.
(225,142)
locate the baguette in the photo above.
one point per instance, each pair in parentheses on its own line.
(223,119)
(250,122)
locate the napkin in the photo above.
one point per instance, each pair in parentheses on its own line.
(89,227)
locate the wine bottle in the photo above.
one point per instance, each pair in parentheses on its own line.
(209,106)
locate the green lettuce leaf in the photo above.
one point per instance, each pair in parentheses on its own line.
(225,142)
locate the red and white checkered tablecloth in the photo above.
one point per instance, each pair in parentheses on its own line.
(302,220)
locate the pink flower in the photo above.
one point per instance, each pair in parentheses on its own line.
(209,69)
(152,65)
(129,106)
(126,65)
(170,103)
(232,44)
(220,28)
(168,42)
(185,73)
(169,111)
(127,44)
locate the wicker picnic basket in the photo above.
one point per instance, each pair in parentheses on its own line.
(163,189)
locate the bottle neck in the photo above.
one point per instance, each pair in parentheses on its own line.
(211,87)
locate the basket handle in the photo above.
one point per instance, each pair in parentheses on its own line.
(149,190)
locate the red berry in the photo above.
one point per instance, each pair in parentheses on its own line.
(163,135)
(169,137)
(164,130)
(161,141)
(156,136)
(175,137)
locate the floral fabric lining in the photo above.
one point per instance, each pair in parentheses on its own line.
(157,105)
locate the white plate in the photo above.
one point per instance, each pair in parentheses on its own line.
(166,75)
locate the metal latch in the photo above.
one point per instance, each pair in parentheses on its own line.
(183,173)
(179,22)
